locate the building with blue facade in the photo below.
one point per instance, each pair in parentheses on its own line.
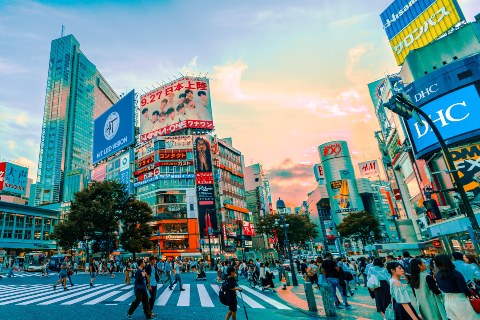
(76,94)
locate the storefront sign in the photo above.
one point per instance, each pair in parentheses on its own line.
(436,244)
(369,169)
(224,227)
(336,184)
(248,243)
(175,163)
(176,237)
(235,208)
(204,177)
(173,156)
(146,162)
(163,177)
(333,149)
(246,228)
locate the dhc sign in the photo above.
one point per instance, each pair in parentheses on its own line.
(454,114)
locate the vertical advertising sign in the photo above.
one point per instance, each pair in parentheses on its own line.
(204,184)
(13,178)
(369,169)
(467,161)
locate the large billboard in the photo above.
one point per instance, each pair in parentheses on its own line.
(183,103)
(412,24)
(13,178)
(118,169)
(467,161)
(455,115)
(369,169)
(204,184)
(114,129)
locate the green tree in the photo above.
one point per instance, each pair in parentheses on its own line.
(358,226)
(299,229)
(136,232)
(67,235)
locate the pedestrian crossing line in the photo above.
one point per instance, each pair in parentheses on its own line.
(91,295)
(125,296)
(102,298)
(205,300)
(252,303)
(128,286)
(184,299)
(16,289)
(265,298)
(23,293)
(216,288)
(48,295)
(163,299)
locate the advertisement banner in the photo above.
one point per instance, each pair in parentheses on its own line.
(386,196)
(412,24)
(13,178)
(173,156)
(175,142)
(467,161)
(204,181)
(369,169)
(98,174)
(246,228)
(142,181)
(183,103)
(114,129)
(455,114)
(144,150)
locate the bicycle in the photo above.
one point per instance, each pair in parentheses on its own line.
(254,281)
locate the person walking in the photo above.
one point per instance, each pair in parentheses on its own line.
(382,294)
(269,278)
(68,270)
(168,271)
(464,268)
(93,271)
(312,273)
(347,275)
(402,302)
(140,289)
(62,275)
(200,273)
(112,269)
(453,285)
(473,262)
(151,271)
(362,270)
(331,272)
(430,304)
(354,268)
(127,273)
(75,267)
(44,270)
(321,278)
(231,295)
(87,267)
(405,262)
(160,267)
(178,277)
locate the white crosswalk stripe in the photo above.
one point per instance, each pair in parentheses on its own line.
(108,294)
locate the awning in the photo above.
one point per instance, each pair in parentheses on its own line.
(191,255)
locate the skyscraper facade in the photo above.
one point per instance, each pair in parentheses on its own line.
(76,94)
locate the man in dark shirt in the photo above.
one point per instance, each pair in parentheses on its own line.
(303,267)
(232,296)
(140,289)
(331,272)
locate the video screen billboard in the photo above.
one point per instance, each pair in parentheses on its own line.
(183,103)
(467,161)
(204,184)
(412,24)
(456,116)
(13,178)
(114,129)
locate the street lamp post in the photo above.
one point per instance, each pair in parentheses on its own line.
(158,238)
(209,239)
(401,104)
(281,210)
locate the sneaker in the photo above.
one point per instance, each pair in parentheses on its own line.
(71,285)
(129,316)
(352,294)
(182,289)
(349,307)
(339,306)
(65,289)
(170,287)
(54,287)
(91,284)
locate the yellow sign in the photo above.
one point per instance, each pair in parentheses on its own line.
(434,21)
(467,162)
(344,195)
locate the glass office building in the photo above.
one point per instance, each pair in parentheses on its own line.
(76,94)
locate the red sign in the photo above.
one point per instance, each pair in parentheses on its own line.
(320,172)
(146,162)
(271,208)
(332,149)
(246,228)
(3,167)
(224,234)
(396,192)
(177,126)
(173,156)
(150,167)
(436,244)
(252,229)
(204,177)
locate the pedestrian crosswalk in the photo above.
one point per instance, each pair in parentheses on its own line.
(201,295)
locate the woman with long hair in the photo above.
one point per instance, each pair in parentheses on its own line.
(382,294)
(429,298)
(473,262)
(319,262)
(362,270)
(402,304)
(312,273)
(453,284)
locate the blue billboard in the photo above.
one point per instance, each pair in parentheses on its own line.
(13,178)
(455,115)
(114,129)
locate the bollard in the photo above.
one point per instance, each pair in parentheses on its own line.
(312,304)
(327,299)
(287,279)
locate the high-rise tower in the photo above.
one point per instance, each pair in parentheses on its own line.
(76,94)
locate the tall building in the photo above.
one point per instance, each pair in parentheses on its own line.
(76,93)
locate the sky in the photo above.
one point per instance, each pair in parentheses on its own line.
(286,76)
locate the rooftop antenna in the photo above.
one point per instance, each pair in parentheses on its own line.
(182,74)
(158,84)
(206,76)
(200,74)
(186,74)
(63,29)
(154,88)
(193,74)
(168,79)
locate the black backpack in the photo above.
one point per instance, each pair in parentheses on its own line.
(406,264)
(224,293)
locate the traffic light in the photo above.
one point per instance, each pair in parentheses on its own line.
(432,209)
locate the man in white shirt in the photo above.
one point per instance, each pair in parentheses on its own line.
(161,122)
(197,109)
(170,117)
(176,273)
(148,125)
(144,116)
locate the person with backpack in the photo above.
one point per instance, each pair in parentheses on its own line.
(347,275)
(312,273)
(405,263)
(227,294)
(381,294)
(140,289)
(331,272)
(268,278)
(152,280)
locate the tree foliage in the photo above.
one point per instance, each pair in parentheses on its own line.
(136,233)
(299,229)
(66,234)
(358,225)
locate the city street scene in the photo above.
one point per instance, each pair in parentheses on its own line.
(240,160)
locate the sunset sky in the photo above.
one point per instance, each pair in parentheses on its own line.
(285,76)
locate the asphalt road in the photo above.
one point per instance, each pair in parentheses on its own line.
(27,296)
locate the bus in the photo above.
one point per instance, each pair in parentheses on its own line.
(34,261)
(56,261)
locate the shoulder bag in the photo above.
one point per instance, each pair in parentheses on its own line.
(373,282)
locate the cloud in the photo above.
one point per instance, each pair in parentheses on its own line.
(32,167)
(228,79)
(11,144)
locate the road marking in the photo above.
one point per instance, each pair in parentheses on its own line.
(125,296)
(162,300)
(252,303)
(216,288)
(91,295)
(269,300)
(184,299)
(103,297)
(204,296)
(46,295)
(24,293)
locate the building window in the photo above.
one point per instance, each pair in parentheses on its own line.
(176,244)
(175,228)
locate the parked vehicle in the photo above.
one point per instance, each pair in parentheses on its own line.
(56,262)
(34,261)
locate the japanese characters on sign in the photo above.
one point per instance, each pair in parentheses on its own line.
(172,156)
(204,177)
(183,103)
(175,142)
(13,178)
(146,162)
(175,163)
(139,181)
(336,184)
(369,169)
